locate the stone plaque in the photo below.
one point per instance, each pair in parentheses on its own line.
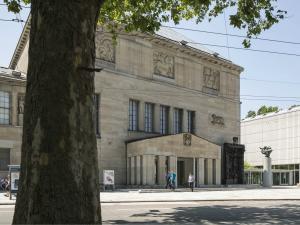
(163,64)
(105,49)
(211,79)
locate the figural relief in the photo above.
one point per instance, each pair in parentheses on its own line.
(217,120)
(211,78)
(105,49)
(163,64)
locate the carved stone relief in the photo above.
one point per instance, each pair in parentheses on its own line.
(105,49)
(163,64)
(187,139)
(211,78)
(217,120)
(21,102)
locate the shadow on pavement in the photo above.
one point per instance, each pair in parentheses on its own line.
(217,214)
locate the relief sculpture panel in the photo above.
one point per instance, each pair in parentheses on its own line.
(211,78)
(105,49)
(21,102)
(163,64)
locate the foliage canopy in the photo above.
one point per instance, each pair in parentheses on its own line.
(254,16)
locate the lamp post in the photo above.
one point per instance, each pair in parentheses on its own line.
(267,168)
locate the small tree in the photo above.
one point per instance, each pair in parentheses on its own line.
(251,114)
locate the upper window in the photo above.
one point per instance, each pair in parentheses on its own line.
(191,121)
(4,107)
(133,115)
(149,108)
(177,121)
(164,119)
(4,159)
(97,113)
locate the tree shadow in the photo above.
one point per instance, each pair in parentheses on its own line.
(218,214)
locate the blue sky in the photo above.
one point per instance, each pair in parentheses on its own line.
(258,66)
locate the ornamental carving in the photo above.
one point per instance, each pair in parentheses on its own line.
(219,120)
(163,64)
(105,49)
(187,139)
(21,102)
(211,78)
(266,150)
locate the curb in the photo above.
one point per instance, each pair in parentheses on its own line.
(191,200)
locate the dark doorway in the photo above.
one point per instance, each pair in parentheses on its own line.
(180,173)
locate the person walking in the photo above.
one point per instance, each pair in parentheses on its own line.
(191,181)
(168,180)
(173,180)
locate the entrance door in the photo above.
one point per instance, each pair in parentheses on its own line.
(180,173)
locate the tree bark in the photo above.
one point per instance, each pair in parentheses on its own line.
(59,168)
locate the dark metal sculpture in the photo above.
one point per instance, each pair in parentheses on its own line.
(266,150)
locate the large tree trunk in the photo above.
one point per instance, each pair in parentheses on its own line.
(59,168)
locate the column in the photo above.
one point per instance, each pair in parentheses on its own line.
(173,166)
(138,170)
(144,169)
(141,115)
(148,170)
(290,178)
(209,172)
(132,170)
(128,170)
(218,171)
(184,121)
(157,118)
(162,170)
(200,171)
(171,120)
(267,173)
(194,171)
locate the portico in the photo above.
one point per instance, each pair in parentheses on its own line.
(148,160)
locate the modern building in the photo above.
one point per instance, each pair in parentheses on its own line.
(281,131)
(161,104)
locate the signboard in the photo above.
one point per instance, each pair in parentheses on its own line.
(108,177)
(14,172)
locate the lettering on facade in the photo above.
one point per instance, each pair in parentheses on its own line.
(105,49)
(187,139)
(217,120)
(211,78)
(163,64)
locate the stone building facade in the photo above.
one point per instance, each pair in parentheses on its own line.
(161,105)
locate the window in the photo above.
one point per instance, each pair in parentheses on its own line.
(97,113)
(164,119)
(133,115)
(149,108)
(4,107)
(177,121)
(191,122)
(4,159)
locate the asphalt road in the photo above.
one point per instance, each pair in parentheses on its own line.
(234,212)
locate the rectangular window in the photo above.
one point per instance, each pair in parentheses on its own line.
(164,119)
(97,113)
(177,121)
(149,109)
(4,107)
(133,115)
(4,159)
(191,122)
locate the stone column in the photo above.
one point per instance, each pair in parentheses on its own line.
(13,109)
(290,178)
(194,171)
(184,121)
(267,172)
(218,171)
(132,170)
(162,170)
(209,172)
(144,169)
(171,120)
(128,170)
(141,116)
(138,170)
(173,166)
(148,170)
(200,168)
(157,118)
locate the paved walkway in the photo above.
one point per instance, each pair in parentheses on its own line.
(202,194)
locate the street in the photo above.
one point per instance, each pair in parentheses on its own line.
(202,212)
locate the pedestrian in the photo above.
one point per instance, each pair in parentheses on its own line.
(168,184)
(173,180)
(191,180)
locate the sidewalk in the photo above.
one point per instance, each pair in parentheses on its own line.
(201,194)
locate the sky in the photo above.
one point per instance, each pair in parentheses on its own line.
(264,74)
